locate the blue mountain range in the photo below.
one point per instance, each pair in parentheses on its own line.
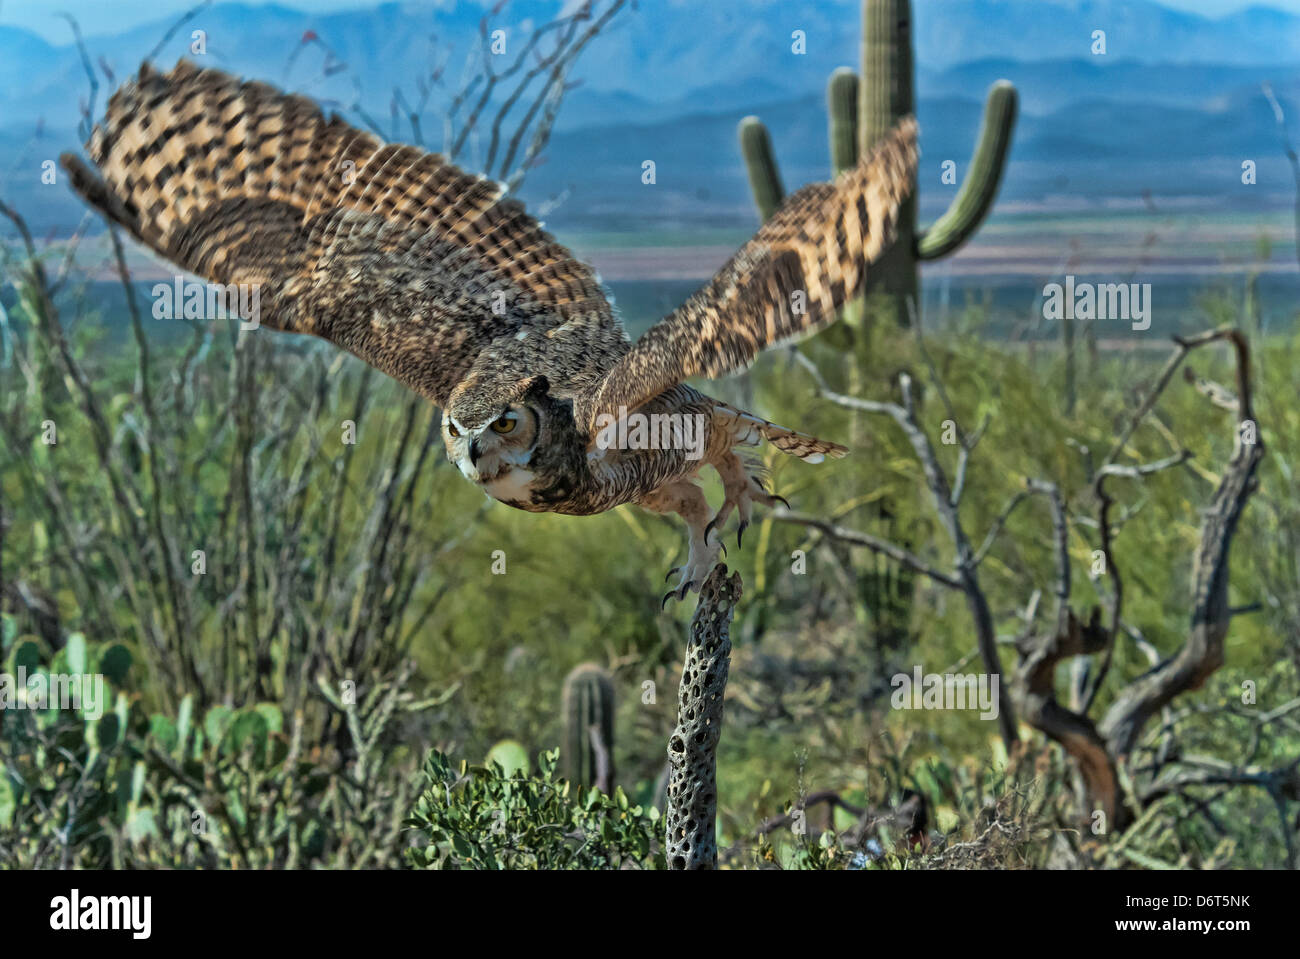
(1172,108)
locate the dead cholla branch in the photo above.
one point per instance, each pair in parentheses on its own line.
(692,750)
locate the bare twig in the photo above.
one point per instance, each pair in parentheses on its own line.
(1202,654)
(873,543)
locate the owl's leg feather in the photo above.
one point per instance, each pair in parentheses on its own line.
(685,498)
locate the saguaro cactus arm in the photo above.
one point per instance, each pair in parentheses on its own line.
(692,785)
(760,162)
(885,96)
(842,108)
(980,186)
(760,159)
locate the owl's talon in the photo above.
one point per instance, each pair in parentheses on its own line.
(671,572)
(712,527)
(678,593)
(743,488)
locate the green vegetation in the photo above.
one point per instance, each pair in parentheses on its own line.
(480,817)
(312,630)
(219,787)
(243,712)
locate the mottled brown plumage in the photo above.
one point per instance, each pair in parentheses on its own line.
(432,276)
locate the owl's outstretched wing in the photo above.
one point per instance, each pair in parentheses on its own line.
(390,252)
(788,281)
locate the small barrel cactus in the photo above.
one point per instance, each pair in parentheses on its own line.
(587,756)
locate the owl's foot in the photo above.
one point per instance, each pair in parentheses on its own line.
(703,556)
(685,498)
(743,489)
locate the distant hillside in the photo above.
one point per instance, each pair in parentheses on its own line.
(1048,85)
(1173,108)
(1080,155)
(695,57)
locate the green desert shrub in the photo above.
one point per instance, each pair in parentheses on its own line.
(483,817)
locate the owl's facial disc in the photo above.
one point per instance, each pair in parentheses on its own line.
(495,454)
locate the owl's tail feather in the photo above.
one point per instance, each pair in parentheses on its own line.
(810,449)
(749,429)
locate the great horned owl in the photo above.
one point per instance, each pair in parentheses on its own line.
(432,276)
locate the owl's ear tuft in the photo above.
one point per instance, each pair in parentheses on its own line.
(537,385)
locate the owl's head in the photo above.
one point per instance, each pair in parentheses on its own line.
(520,448)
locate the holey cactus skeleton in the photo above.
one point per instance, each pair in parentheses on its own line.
(692,784)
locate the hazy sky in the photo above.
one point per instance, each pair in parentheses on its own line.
(111,16)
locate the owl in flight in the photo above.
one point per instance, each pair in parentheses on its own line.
(434,277)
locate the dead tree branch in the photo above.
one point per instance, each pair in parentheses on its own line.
(1099,749)
(1202,654)
(965,570)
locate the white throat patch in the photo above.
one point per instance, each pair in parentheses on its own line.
(513,486)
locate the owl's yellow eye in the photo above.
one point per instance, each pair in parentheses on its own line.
(452,431)
(503,425)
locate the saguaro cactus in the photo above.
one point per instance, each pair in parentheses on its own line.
(588,753)
(862,111)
